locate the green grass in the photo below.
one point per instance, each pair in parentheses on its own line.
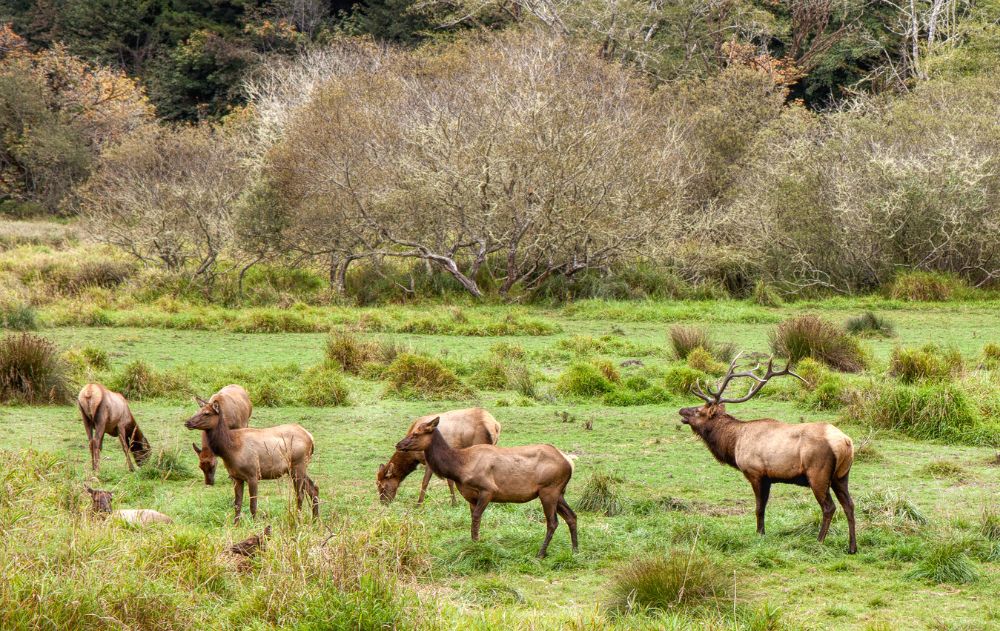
(364,564)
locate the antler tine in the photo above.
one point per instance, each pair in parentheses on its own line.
(697,391)
(762,381)
(727,378)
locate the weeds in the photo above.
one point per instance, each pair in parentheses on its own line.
(324,386)
(685,339)
(944,469)
(18,317)
(139,381)
(583,380)
(888,507)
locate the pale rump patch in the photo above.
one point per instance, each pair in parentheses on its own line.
(569,458)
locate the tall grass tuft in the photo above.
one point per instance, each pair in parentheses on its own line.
(324,386)
(919,286)
(31,371)
(167,463)
(765,295)
(139,381)
(602,494)
(18,316)
(681,580)
(888,507)
(414,376)
(945,562)
(583,380)
(684,339)
(811,336)
(870,324)
(927,363)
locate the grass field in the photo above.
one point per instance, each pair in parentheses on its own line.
(364,565)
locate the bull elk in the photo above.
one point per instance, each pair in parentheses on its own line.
(142,516)
(461,428)
(766,451)
(235,401)
(252,454)
(107,412)
(487,473)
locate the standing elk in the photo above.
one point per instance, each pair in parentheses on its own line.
(252,454)
(461,428)
(235,402)
(142,516)
(486,473)
(107,412)
(766,451)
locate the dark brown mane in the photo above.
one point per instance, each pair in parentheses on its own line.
(442,458)
(220,439)
(721,438)
(404,463)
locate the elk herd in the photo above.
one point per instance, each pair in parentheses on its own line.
(461,446)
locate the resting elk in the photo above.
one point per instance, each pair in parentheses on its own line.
(235,401)
(461,428)
(252,454)
(766,451)
(142,516)
(104,412)
(486,473)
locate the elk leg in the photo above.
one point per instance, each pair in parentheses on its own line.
(124,443)
(762,492)
(314,494)
(569,517)
(97,442)
(451,487)
(90,443)
(423,485)
(252,484)
(477,513)
(238,501)
(549,506)
(844,497)
(822,492)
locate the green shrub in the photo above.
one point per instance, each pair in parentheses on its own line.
(608,370)
(945,562)
(31,371)
(828,395)
(927,363)
(602,494)
(684,339)
(681,580)
(626,397)
(18,317)
(348,351)
(811,336)
(989,523)
(138,381)
(583,380)
(812,372)
(420,377)
(701,359)
(324,386)
(765,295)
(927,287)
(680,379)
(870,324)
(991,356)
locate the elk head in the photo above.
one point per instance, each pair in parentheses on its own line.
(207,417)
(420,438)
(207,462)
(714,407)
(101,499)
(387,480)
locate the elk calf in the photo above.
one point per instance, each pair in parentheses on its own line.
(461,428)
(486,473)
(766,451)
(142,516)
(251,455)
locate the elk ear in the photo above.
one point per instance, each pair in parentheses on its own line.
(216,408)
(89,490)
(200,401)
(381,470)
(197,449)
(390,470)
(433,423)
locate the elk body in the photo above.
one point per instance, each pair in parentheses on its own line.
(766,451)
(486,473)
(235,402)
(252,455)
(461,428)
(141,516)
(107,412)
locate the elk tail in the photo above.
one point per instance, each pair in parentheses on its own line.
(136,441)
(493,433)
(89,404)
(570,458)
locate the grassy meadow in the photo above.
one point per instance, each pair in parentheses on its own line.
(928,523)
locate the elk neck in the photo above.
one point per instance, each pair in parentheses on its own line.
(404,462)
(220,437)
(721,436)
(442,458)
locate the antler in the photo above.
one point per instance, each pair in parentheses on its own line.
(759,381)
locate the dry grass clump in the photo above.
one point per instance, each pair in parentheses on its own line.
(680,580)
(685,339)
(602,494)
(31,371)
(811,336)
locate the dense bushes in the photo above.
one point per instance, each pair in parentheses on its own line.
(31,371)
(811,336)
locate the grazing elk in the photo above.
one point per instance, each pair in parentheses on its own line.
(487,473)
(142,516)
(107,412)
(251,455)
(235,401)
(461,428)
(766,451)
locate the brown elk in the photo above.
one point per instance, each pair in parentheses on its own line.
(107,412)
(461,428)
(251,455)
(766,451)
(486,473)
(142,516)
(235,401)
